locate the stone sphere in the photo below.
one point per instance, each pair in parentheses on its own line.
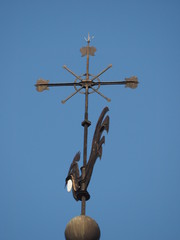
(82,228)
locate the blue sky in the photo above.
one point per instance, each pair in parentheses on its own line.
(135,187)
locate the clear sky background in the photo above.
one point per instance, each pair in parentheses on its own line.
(135,193)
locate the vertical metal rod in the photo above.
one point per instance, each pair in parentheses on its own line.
(85,125)
(87,65)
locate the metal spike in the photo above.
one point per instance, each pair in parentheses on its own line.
(70,71)
(110,65)
(102,95)
(70,96)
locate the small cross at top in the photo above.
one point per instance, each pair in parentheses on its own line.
(87,83)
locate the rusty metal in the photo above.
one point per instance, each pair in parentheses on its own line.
(89,83)
(82,228)
(84,51)
(85,84)
(87,80)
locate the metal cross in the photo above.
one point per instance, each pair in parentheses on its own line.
(86,84)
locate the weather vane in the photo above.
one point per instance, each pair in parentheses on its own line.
(86,84)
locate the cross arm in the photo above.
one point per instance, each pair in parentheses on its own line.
(110,65)
(42,85)
(131,82)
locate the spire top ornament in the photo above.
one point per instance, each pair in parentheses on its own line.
(86,84)
(87,81)
(88,39)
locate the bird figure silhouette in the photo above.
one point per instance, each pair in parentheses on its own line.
(96,151)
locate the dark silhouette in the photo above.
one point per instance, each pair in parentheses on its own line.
(96,151)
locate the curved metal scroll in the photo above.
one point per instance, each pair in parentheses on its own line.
(98,141)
